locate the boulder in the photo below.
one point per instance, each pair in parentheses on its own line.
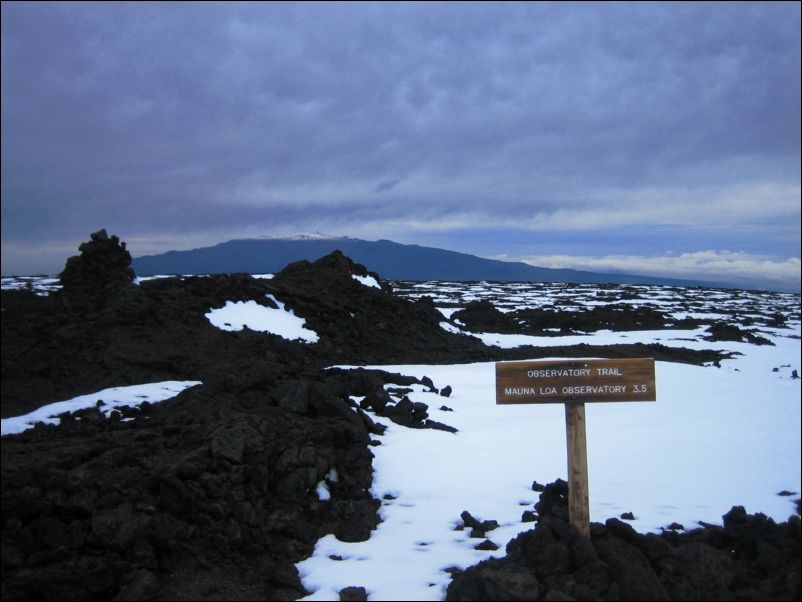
(353,594)
(103,267)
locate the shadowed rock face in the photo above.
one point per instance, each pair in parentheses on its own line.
(102,268)
(749,558)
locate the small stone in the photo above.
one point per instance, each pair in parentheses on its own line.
(353,594)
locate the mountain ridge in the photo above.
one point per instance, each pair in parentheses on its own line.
(392,260)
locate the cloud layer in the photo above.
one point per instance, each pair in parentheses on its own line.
(726,266)
(201,122)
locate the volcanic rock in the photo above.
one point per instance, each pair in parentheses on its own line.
(439,426)
(483,316)
(478,528)
(91,278)
(729,332)
(749,558)
(353,594)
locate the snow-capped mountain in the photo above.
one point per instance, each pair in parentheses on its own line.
(390,259)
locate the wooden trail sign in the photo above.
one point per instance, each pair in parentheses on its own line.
(573,383)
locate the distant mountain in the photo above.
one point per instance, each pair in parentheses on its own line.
(391,260)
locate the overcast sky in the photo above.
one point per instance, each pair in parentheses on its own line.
(652,138)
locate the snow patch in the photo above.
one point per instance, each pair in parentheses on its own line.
(316,235)
(366,280)
(111,398)
(449,311)
(322,489)
(235,315)
(323,492)
(448,327)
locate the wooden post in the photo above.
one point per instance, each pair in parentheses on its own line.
(578,507)
(573,383)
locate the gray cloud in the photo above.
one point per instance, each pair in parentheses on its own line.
(169,118)
(387,184)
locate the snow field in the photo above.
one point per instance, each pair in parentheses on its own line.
(716,437)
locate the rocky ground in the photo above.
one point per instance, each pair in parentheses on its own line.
(211,495)
(749,558)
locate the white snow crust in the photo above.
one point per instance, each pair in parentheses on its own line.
(235,315)
(111,398)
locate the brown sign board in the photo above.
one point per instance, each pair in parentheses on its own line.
(575,381)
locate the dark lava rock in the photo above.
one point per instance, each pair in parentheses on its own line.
(496,581)
(353,594)
(749,558)
(232,486)
(554,500)
(528,516)
(427,382)
(482,316)
(728,332)
(777,320)
(334,262)
(139,585)
(102,268)
(439,426)
(613,317)
(478,528)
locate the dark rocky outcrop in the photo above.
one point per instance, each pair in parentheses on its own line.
(730,332)
(213,479)
(749,558)
(483,316)
(102,269)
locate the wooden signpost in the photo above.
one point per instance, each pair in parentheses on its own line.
(574,383)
